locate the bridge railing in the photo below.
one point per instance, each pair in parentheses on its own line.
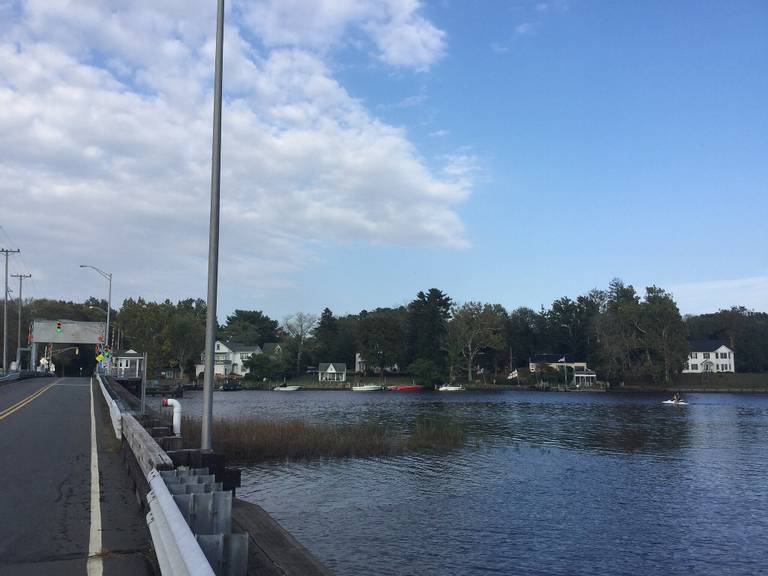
(199,543)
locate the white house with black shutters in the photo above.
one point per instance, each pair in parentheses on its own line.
(230,358)
(709,356)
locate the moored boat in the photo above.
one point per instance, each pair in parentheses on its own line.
(406,388)
(286,388)
(367,388)
(451,388)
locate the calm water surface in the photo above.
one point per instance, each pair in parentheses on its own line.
(548,484)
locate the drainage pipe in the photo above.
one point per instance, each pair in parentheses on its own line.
(176,414)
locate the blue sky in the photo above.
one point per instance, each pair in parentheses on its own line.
(511,152)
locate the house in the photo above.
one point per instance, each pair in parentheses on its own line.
(361,366)
(272,348)
(127,364)
(332,372)
(229,358)
(709,356)
(555,361)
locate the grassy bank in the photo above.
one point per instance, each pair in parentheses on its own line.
(251,440)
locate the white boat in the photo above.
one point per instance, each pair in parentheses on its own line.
(286,388)
(367,388)
(451,388)
(678,402)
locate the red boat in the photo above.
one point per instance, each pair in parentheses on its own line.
(406,388)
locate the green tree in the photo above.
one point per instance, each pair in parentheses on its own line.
(380,337)
(426,372)
(617,330)
(251,327)
(664,335)
(475,326)
(326,336)
(524,335)
(427,326)
(298,329)
(185,333)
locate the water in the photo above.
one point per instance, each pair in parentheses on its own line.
(548,484)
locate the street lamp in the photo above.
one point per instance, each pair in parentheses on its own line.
(206,434)
(108,276)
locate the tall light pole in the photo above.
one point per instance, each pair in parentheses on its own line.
(213,240)
(7,252)
(18,338)
(108,276)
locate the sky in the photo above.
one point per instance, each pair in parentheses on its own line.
(511,152)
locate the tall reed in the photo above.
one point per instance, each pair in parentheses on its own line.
(248,439)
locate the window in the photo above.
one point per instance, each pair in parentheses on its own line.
(706,355)
(694,354)
(694,366)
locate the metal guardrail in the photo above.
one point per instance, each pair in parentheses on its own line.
(148,452)
(115,414)
(177,549)
(190,517)
(208,511)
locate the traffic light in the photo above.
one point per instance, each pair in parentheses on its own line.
(106,351)
(58,327)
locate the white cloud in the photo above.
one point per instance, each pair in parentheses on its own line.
(523,29)
(400,34)
(713,295)
(105,116)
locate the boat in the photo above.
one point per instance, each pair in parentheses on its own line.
(286,388)
(451,388)
(367,388)
(677,402)
(406,388)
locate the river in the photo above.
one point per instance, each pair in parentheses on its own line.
(548,483)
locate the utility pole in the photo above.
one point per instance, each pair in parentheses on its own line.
(213,240)
(7,252)
(18,338)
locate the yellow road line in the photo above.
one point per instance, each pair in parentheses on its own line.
(21,403)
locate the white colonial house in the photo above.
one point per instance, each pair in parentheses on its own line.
(230,357)
(709,356)
(332,372)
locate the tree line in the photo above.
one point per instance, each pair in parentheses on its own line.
(623,334)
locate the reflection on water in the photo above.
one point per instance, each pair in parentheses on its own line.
(548,484)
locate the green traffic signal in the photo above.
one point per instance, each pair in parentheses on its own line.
(58,327)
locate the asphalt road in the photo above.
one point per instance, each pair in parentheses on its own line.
(46,515)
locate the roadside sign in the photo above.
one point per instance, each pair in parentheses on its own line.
(100,357)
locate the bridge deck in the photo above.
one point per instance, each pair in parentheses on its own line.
(52,513)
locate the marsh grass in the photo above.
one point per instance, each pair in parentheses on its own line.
(254,440)
(436,434)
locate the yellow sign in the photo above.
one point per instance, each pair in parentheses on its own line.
(100,357)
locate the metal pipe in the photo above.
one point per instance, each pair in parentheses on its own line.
(213,240)
(176,414)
